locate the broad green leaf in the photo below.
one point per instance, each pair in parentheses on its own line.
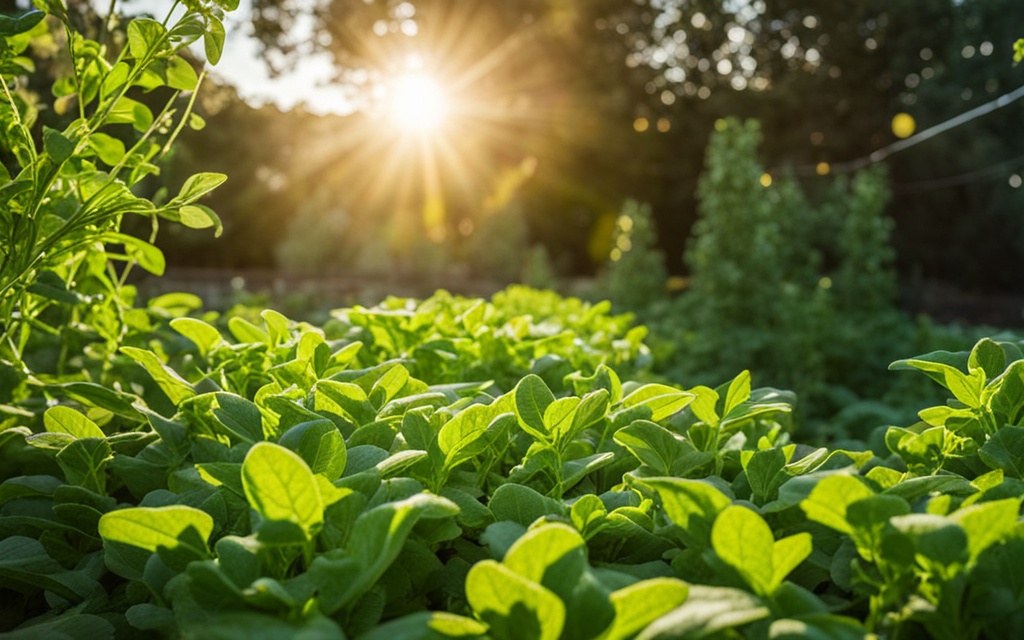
(379,534)
(553,555)
(12,25)
(145,37)
(173,528)
(765,473)
(63,419)
(939,366)
(640,604)
(108,148)
(92,394)
(592,408)
(744,541)
(653,445)
(559,416)
(532,398)
(987,523)
(181,75)
(84,463)
(204,335)
(199,216)
(198,185)
(57,146)
(1005,450)
(278,326)
(465,435)
(830,498)
(172,384)
(280,487)
(705,406)
(588,608)
(692,505)
(320,444)
(114,81)
(513,607)
(706,612)
(128,111)
(738,393)
(347,397)
(587,513)
(521,504)
(987,356)
(388,385)
(245,331)
(661,399)
(240,417)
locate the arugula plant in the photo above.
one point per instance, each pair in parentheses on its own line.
(63,199)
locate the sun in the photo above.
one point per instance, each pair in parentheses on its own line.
(417,103)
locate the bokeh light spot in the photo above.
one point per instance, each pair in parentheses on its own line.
(903,125)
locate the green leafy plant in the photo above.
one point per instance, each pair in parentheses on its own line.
(63,200)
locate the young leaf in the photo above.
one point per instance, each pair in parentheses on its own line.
(280,487)
(739,392)
(653,445)
(830,498)
(532,398)
(379,534)
(743,540)
(145,36)
(553,555)
(204,335)
(640,604)
(661,399)
(172,384)
(693,505)
(63,419)
(181,75)
(245,331)
(320,444)
(521,504)
(84,463)
(198,186)
(213,40)
(513,607)
(154,528)
(59,147)
(240,417)
(1005,450)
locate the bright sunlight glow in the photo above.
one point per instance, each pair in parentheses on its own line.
(417,103)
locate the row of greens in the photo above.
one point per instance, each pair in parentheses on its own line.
(266,480)
(449,468)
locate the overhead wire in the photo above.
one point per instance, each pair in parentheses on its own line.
(881,154)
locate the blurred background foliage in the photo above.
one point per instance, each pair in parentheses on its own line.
(570,109)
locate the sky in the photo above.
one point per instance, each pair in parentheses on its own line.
(240,64)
